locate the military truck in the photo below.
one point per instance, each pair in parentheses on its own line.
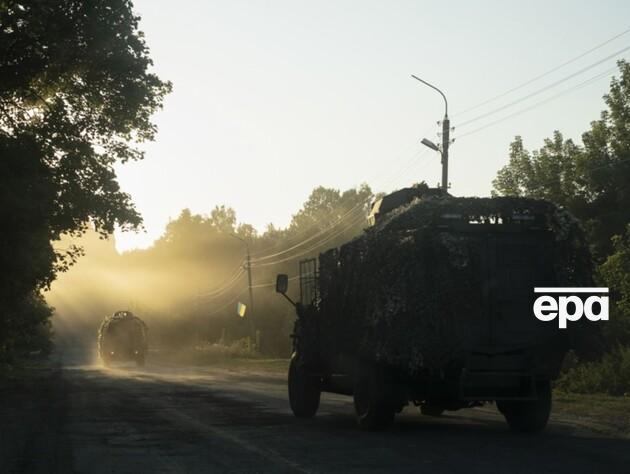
(122,337)
(432,305)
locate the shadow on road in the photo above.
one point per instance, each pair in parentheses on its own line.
(251,412)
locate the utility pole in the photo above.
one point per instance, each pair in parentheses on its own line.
(446,132)
(445,142)
(251,297)
(249,312)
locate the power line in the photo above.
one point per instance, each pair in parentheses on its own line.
(312,237)
(395,175)
(544,74)
(231,282)
(352,223)
(356,220)
(397,172)
(224,287)
(268,285)
(542,102)
(328,238)
(341,219)
(543,89)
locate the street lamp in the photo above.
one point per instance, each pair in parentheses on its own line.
(428,143)
(445,136)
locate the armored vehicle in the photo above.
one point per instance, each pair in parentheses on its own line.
(432,305)
(122,337)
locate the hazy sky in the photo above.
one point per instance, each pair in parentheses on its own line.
(273,98)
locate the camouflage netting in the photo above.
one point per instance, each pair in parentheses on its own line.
(120,318)
(408,291)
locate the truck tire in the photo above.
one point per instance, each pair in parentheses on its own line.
(529,416)
(304,389)
(373,403)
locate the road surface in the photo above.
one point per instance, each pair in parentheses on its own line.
(176,420)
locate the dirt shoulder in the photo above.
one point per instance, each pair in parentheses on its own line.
(601,413)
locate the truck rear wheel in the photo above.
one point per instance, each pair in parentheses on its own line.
(304,389)
(373,404)
(528,416)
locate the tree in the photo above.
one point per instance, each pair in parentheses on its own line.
(247,232)
(223,219)
(548,173)
(615,274)
(606,166)
(593,180)
(326,206)
(76,92)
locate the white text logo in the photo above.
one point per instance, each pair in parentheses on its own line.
(572,307)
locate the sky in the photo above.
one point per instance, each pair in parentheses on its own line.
(272,99)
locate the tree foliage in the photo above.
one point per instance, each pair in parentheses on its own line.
(549,173)
(327,205)
(615,274)
(592,180)
(77,91)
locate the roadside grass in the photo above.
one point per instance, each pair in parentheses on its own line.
(605,413)
(593,405)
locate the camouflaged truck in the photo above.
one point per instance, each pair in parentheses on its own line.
(122,337)
(432,305)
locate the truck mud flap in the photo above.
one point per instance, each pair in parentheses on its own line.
(486,386)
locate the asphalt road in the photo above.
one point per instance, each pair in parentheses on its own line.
(176,420)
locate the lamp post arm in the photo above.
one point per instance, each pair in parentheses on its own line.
(435,88)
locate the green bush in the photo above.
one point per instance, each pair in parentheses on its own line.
(610,375)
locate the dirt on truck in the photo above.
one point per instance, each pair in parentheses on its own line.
(432,305)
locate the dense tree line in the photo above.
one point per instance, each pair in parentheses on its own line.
(184,285)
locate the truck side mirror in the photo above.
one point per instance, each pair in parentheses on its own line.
(282,283)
